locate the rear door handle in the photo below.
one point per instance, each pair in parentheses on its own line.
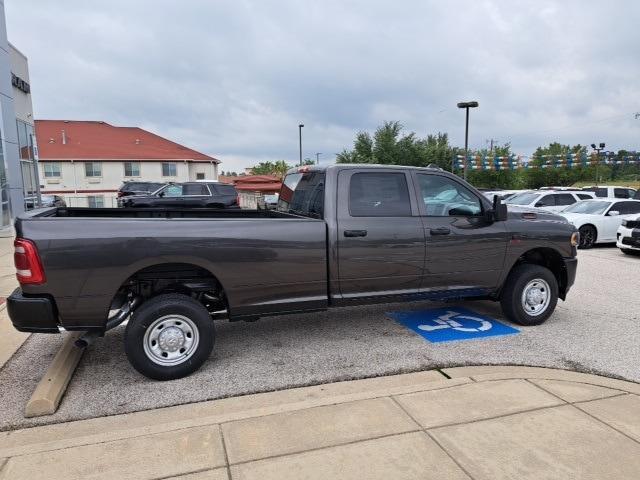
(355,233)
(440,231)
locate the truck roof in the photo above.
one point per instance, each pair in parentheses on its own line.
(341,166)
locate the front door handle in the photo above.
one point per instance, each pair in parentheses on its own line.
(440,231)
(355,233)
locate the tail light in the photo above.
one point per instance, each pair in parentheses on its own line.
(29,269)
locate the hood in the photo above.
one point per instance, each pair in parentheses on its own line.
(530,213)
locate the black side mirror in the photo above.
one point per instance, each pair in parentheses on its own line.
(499,210)
(161,194)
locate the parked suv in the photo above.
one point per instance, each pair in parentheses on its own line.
(550,200)
(188,195)
(607,191)
(137,188)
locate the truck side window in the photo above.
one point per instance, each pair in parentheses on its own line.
(444,197)
(379,195)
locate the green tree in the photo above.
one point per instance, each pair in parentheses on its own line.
(388,146)
(278,168)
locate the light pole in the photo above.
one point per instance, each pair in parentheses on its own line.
(318,157)
(466,106)
(300,141)
(598,150)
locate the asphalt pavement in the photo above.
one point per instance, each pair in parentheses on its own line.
(595,331)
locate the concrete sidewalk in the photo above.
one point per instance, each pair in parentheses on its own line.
(482,423)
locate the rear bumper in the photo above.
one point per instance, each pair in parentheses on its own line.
(32,314)
(571,264)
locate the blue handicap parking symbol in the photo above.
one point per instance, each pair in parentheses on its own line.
(447,324)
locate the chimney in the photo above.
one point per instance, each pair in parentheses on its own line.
(64,138)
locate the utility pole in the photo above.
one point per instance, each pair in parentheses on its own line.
(466,106)
(490,142)
(300,140)
(598,150)
(318,157)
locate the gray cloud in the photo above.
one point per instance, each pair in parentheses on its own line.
(234,78)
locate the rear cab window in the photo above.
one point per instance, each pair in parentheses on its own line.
(302,193)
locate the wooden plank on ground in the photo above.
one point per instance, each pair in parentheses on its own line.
(47,395)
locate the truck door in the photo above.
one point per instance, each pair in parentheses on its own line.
(464,249)
(380,236)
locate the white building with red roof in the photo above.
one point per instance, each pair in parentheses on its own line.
(87,161)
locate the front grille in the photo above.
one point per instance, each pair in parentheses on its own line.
(632,242)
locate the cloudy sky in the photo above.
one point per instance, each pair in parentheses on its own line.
(235,78)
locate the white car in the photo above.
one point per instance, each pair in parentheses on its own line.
(549,200)
(629,236)
(598,220)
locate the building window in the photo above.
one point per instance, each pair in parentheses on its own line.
(199,176)
(169,170)
(95,201)
(51,170)
(131,169)
(93,169)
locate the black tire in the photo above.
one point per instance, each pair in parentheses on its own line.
(513,305)
(588,236)
(190,324)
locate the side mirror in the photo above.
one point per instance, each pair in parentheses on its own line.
(161,194)
(499,210)
(613,213)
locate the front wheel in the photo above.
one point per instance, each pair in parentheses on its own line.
(169,337)
(588,236)
(530,294)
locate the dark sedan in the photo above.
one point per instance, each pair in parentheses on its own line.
(188,195)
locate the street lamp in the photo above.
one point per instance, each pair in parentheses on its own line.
(466,106)
(598,150)
(318,157)
(300,141)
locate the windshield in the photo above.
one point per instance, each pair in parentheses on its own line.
(589,207)
(523,198)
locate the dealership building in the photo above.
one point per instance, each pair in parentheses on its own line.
(18,152)
(87,161)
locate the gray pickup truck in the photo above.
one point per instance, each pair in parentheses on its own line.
(341,235)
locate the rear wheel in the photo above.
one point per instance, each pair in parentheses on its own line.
(169,337)
(530,294)
(588,236)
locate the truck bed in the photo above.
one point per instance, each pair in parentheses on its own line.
(230,213)
(89,253)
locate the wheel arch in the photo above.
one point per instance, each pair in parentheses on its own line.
(174,276)
(549,258)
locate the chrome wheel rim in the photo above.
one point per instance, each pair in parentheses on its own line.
(536,297)
(171,340)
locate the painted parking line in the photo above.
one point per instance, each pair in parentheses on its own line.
(449,324)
